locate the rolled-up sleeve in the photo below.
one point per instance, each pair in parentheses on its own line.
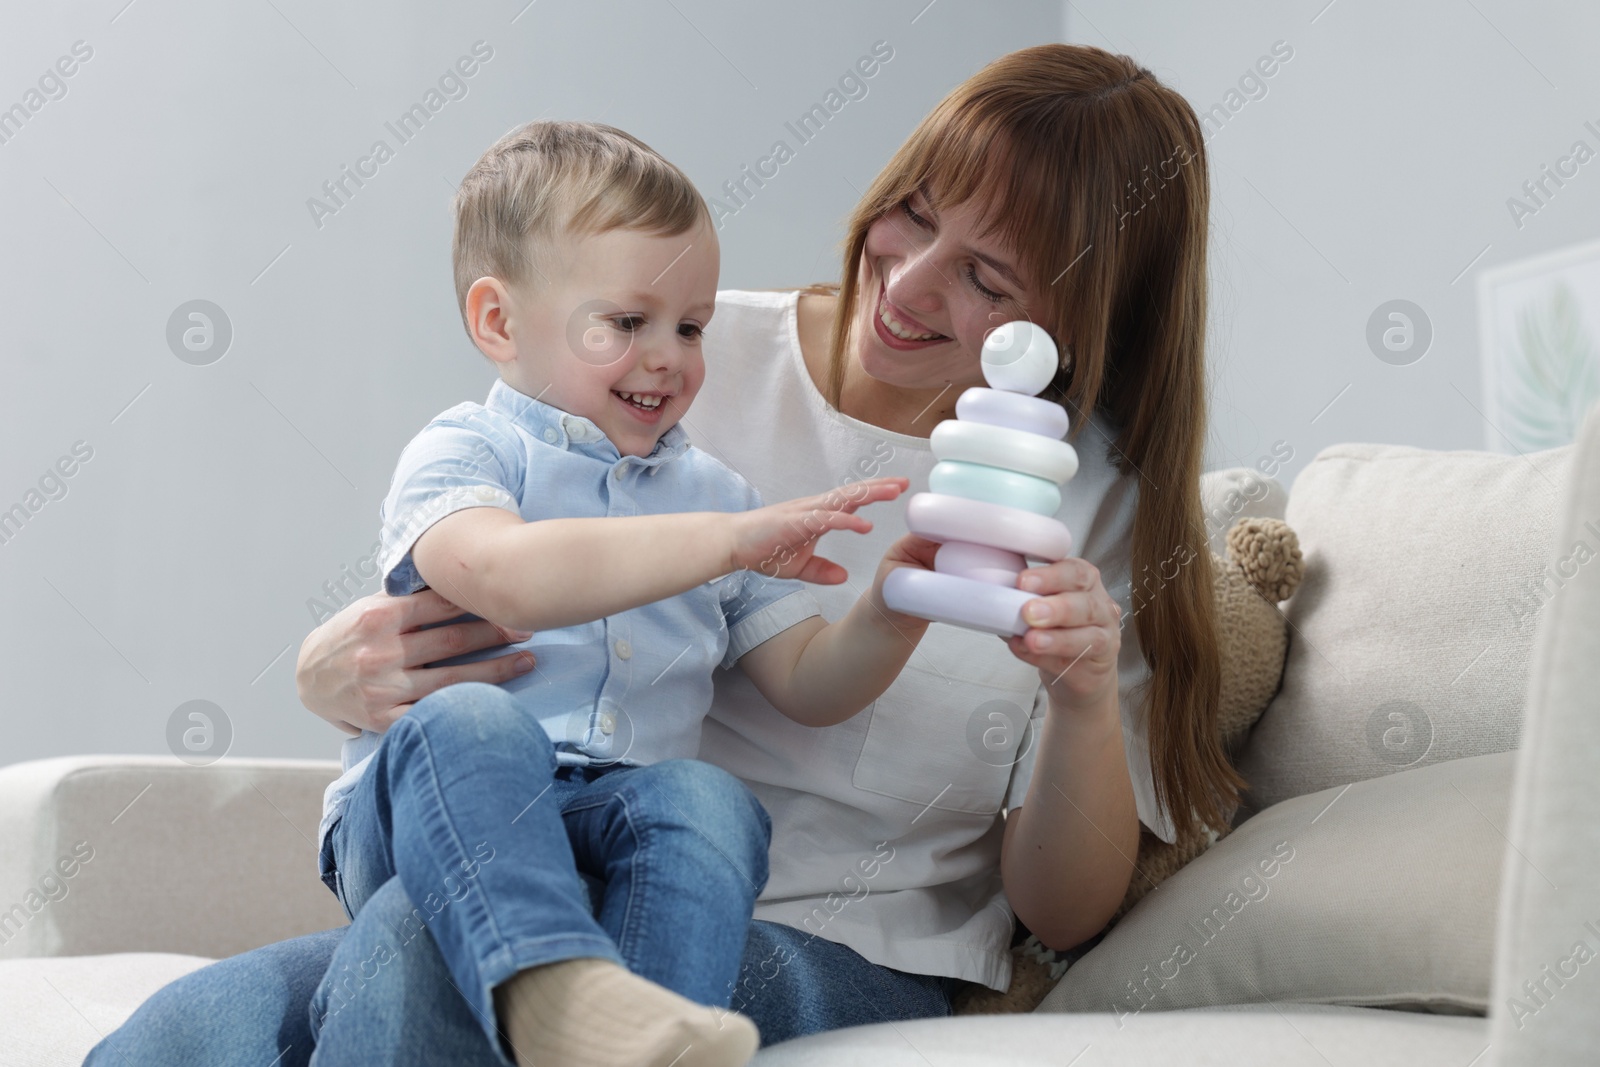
(450,466)
(761,608)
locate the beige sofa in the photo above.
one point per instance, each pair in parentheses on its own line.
(1415,881)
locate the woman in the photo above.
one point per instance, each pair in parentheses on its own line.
(1059,184)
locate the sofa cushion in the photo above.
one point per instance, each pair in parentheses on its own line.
(1381,893)
(1411,634)
(58,1008)
(1244,1036)
(1549,932)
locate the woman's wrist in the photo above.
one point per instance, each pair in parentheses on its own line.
(1087,720)
(312,676)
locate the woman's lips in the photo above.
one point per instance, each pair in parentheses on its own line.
(889,338)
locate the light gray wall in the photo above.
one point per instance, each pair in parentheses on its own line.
(1377,166)
(177,166)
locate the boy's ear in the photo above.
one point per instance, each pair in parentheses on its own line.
(488,319)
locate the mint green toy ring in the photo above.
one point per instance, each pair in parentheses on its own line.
(994,485)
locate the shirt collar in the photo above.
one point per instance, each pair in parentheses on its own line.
(562,429)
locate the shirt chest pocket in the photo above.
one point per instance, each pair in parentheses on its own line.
(952,727)
(707,621)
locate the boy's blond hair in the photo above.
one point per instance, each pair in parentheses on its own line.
(549,179)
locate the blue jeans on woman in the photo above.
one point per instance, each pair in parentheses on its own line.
(464,803)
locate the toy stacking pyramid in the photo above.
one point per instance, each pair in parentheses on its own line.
(995,492)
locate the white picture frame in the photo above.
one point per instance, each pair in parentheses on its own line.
(1539,339)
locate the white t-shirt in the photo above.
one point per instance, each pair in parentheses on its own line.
(887,827)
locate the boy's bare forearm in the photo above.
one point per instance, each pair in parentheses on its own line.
(848,664)
(562,572)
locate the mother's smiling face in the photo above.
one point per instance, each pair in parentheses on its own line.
(932,286)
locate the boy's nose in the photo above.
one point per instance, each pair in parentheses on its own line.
(660,356)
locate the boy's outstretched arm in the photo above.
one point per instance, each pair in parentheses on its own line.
(561,572)
(820,674)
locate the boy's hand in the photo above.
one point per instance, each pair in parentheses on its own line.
(909,551)
(779,540)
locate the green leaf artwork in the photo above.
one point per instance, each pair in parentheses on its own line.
(1551,374)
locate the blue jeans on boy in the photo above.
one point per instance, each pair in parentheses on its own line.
(465,804)
(792,983)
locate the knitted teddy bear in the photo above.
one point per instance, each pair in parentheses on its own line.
(1263,568)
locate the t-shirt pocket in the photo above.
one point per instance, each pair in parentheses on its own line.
(952,727)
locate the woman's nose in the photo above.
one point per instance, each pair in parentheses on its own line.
(918,281)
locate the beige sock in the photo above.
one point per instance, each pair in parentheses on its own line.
(594,1013)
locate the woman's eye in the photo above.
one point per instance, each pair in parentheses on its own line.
(972,274)
(917,220)
(690,330)
(983,290)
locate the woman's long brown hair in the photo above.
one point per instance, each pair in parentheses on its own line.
(1095,173)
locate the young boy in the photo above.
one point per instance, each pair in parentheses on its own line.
(571,508)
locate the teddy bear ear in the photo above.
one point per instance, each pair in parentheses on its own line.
(1268,553)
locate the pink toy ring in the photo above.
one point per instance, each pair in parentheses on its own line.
(980,563)
(958,601)
(940,517)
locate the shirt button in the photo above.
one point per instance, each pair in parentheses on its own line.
(550,435)
(624,650)
(608,724)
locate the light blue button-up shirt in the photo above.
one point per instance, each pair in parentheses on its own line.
(631,687)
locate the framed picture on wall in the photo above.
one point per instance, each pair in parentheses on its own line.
(1539,331)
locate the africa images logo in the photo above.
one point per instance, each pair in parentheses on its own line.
(452,85)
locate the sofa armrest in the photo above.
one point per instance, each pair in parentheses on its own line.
(1549,921)
(102,854)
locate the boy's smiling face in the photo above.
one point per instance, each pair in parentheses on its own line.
(618,312)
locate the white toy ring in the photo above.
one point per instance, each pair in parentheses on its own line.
(939,517)
(996,407)
(1000,446)
(958,601)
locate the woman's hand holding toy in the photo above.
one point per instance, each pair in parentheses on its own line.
(1076,642)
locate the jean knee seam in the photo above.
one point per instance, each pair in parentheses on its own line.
(639,875)
(455,834)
